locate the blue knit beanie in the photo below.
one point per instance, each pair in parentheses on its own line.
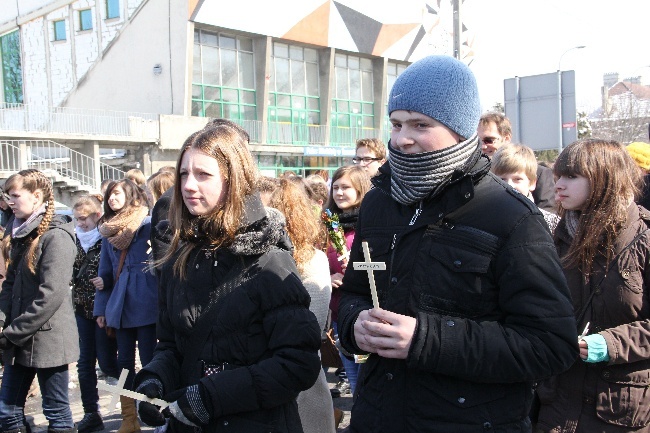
(440,87)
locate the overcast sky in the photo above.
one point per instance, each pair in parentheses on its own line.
(528,37)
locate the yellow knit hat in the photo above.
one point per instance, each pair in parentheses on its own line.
(640,152)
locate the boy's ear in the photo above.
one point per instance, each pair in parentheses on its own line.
(533,185)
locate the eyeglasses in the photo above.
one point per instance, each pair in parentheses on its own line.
(357,160)
(490,140)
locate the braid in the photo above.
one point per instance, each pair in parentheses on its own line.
(35,180)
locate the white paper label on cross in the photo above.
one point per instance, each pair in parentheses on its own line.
(119,390)
(370,266)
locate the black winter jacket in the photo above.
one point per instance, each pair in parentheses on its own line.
(476,266)
(261,329)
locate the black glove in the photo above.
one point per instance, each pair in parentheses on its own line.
(150,413)
(4,342)
(189,405)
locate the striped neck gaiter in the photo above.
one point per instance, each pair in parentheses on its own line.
(415,176)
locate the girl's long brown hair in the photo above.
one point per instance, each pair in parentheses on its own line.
(303,224)
(358,178)
(33,180)
(614,180)
(230,148)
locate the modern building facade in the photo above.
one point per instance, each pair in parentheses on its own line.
(306,78)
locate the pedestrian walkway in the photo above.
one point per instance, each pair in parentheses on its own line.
(113,419)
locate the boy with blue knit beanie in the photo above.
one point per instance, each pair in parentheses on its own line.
(473,305)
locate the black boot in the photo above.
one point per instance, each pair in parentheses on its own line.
(91,422)
(17,430)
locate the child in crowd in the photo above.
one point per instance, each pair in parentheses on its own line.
(516,165)
(349,185)
(94,344)
(39,335)
(604,243)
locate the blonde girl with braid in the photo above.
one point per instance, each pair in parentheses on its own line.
(39,334)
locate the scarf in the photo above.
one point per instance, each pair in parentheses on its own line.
(572,220)
(21,226)
(120,229)
(416,176)
(89,238)
(348,220)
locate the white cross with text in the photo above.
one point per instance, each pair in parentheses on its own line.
(370,266)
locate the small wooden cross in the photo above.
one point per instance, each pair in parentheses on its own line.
(119,390)
(370,266)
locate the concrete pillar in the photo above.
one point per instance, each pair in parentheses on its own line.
(263,48)
(327,89)
(23,154)
(379,67)
(91,149)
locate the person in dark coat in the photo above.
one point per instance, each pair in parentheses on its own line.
(473,306)
(237,341)
(604,242)
(39,334)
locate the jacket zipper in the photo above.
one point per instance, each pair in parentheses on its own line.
(417,213)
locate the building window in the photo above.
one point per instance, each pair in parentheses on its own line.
(112,9)
(85,20)
(223,80)
(12,74)
(393,70)
(294,97)
(59,30)
(353,105)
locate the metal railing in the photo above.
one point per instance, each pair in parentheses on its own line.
(348,136)
(64,120)
(296,134)
(57,160)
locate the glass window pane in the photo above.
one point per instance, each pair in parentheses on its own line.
(355,84)
(12,76)
(210,58)
(267,160)
(368,109)
(196,64)
(245,44)
(343,120)
(355,107)
(342,106)
(366,81)
(390,81)
(312,79)
(227,42)
(231,111)
(313,104)
(368,122)
(271,99)
(366,64)
(281,50)
(340,60)
(298,102)
(313,118)
(246,71)
(229,95)
(311,55)
(197,35)
(229,68)
(247,97)
(248,113)
(284,101)
(297,77)
(353,62)
(295,53)
(212,109)
(341,83)
(197,107)
(284,115)
(212,93)
(282,76)
(85,20)
(400,69)
(112,9)
(197,92)
(59,30)
(208,38)
(391,68)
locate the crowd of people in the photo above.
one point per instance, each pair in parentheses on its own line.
(511,295)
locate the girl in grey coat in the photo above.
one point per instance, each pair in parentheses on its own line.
(39,333)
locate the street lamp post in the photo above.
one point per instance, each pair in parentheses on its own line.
(559,95)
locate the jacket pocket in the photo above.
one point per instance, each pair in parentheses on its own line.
(453,281)
(624,399)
